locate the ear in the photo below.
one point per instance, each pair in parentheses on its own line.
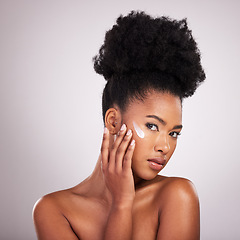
(113,120)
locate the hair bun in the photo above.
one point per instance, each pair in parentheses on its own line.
(138,43)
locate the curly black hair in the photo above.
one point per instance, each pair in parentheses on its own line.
(142,53)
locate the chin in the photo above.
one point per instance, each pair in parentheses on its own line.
(145,171)
(146,175)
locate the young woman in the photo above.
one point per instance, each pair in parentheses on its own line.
(150,65)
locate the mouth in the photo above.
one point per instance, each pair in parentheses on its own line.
(156,163)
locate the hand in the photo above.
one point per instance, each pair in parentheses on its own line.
(116,165)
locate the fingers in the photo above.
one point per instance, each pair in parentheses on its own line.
(105,148)
(116,145)
(119,137)
(121,151)
(127,161)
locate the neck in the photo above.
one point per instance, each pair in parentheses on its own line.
(96,183)
(96,186)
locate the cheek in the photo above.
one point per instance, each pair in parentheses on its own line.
(139,132)
(143,137)
(139,143)
(173,145)
(143,148)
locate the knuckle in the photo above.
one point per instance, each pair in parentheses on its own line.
(120,150)
(126,158)
(104,137)
(111,172)
(126,138)
(112,156)
(118,172)
(102,148)
(120,133)
(104,169)
(114,145)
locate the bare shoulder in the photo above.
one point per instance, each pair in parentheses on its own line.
(178,209)
(47,204)
(178,187)
(48,213)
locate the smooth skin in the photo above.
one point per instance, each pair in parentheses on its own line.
(124,198)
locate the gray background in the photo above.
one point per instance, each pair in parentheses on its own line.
(50,105)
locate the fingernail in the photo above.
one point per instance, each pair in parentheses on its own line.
(133,142)
(105,130)
(123,127)
(129,132)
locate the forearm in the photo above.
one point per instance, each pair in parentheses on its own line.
(116,167)
(119,224)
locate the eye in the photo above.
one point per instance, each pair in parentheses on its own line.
(174,134)
(152,126)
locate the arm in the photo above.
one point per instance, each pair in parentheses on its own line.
(49,222)
(179,218)
(116,166)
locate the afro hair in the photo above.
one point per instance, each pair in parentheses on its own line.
(141,53)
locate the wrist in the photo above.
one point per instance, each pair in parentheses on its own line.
(122,204)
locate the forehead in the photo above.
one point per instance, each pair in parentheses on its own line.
(164,105)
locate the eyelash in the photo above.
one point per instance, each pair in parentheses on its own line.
(177,134)
(150,125)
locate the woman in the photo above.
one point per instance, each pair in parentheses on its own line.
(150,65)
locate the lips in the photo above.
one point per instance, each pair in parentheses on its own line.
(156,163)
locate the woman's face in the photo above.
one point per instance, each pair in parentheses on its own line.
(156,123)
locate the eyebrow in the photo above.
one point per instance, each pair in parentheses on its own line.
(162,121)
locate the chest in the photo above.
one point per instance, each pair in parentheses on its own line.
(89,220)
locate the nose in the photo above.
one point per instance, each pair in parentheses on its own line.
(162,143)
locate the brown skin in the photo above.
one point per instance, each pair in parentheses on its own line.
(124,198)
